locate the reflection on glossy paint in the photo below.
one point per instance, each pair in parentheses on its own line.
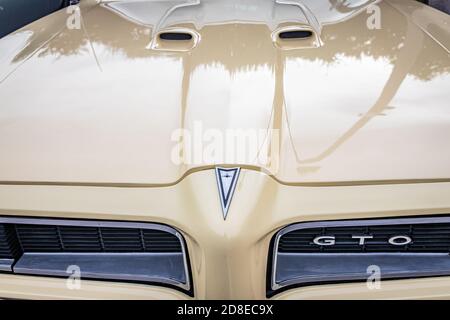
(331,104)
(9,48)
(315,122)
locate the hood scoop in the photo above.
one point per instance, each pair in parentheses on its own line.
(175,36)
(295,34)
(296,37)
(288,19)
(175,39)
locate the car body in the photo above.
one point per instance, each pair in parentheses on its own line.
(101,123)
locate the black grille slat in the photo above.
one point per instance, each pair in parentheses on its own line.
(9,246)
(158,241)
(105,250)
(38,238)
(426,238)
(80,239)
(17,238)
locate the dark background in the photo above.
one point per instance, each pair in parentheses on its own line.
(443,5)
(15,14)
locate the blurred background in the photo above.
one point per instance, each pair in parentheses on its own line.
(15,14)
(443,5)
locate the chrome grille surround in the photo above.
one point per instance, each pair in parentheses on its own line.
(22,267)
(410,255)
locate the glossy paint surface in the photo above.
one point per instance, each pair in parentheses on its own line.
(228,257)
(98,105)
(361,117)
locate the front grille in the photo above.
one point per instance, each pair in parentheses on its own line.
(9,246)
(125,251)
(333,251)
(48,238)
(433,238)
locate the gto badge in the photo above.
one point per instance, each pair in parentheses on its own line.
(362,240)
(226,181)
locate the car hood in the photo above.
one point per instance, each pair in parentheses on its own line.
(100,104)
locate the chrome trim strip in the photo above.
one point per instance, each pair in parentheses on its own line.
(355,268)
(111,224)
(142,267)
(6,264)
(342,223)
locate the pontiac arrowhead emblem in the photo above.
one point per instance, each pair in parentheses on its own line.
(226,181)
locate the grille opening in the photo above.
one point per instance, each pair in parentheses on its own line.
(123,251)
(175,36)
(295,34)
(314,253)
(54,238)
(426,238)
(9,246)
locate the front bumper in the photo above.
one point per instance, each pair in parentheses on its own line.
(228,257)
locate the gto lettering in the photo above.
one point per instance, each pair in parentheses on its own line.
(362,240)
(325,241)
(400,240)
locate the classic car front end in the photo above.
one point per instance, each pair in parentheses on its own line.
(259,149)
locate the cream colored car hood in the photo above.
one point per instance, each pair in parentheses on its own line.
(96,105)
